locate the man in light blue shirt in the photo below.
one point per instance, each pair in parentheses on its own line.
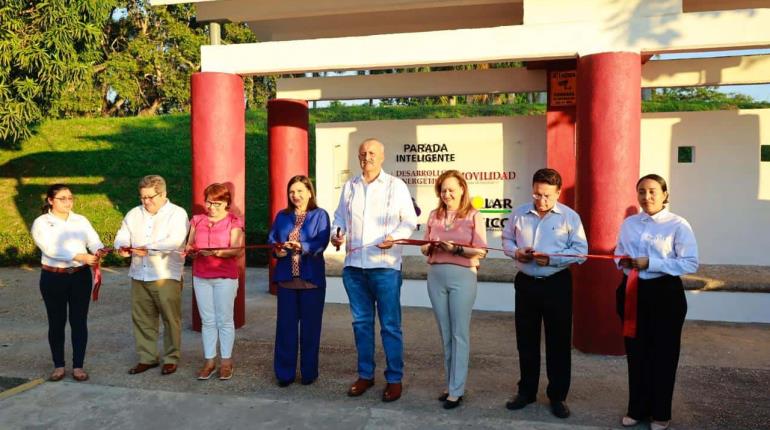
(534,233)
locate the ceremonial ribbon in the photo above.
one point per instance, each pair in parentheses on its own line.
(632,279)
(629,308)
(97,272)
(224,248)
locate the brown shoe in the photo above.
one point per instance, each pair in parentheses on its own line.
(360,386)
(57,374)
(226,371)
(168,369)
(79,375)
(207,370)
(392,392)
(141,367)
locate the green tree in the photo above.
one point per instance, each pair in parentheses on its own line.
(150,54)
(47,48)
(258,89)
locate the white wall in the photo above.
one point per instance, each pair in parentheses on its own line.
(480,147)
(725,193)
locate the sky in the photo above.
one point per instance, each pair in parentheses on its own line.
(758,92)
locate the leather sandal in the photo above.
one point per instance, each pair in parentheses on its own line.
(207,370)
(79,375)
(226,371)
(57,374)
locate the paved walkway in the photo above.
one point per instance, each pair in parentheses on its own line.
(723,380)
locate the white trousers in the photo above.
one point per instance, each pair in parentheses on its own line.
(215,298)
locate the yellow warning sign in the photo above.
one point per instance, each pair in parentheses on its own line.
(562,88)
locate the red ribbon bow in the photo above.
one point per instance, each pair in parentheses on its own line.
(97,272)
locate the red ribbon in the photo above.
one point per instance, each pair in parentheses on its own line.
(630,305)
(97,272)
(632,280)
(97,280)
(632,292)
(226,248)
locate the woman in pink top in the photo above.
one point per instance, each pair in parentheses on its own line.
(461,232)
(215,276)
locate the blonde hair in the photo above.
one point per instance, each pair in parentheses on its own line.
(465,202)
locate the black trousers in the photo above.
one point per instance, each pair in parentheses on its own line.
(653,355)
(63,292)
(548,300)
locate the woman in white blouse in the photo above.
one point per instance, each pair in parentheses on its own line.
(662,247)
(64,239)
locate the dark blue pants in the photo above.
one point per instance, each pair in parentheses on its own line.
(298,326)
(63,292)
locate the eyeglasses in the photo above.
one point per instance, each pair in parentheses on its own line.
(65,199)
(543,196)
(214,204)
(143,198)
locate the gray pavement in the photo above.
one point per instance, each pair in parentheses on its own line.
(723,382)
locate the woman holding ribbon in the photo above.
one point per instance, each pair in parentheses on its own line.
(215,242)
(458,235)
(660,247)
(300,234)
(64,239)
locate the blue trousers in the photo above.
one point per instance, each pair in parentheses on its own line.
(298,327)
(366,289)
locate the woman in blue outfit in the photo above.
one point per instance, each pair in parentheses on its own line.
(300,234)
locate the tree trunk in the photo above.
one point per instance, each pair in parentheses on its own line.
(152,109)
(115,107)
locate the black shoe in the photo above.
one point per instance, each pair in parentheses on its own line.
(284,384)
(518,402)
(442,397)
(559,409)
(451,404)
(307,381)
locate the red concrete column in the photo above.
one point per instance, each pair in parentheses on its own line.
(218,130)
(287,125)
(608,122)
(560,150)
(560,126)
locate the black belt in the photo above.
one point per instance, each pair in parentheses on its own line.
(541,278)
